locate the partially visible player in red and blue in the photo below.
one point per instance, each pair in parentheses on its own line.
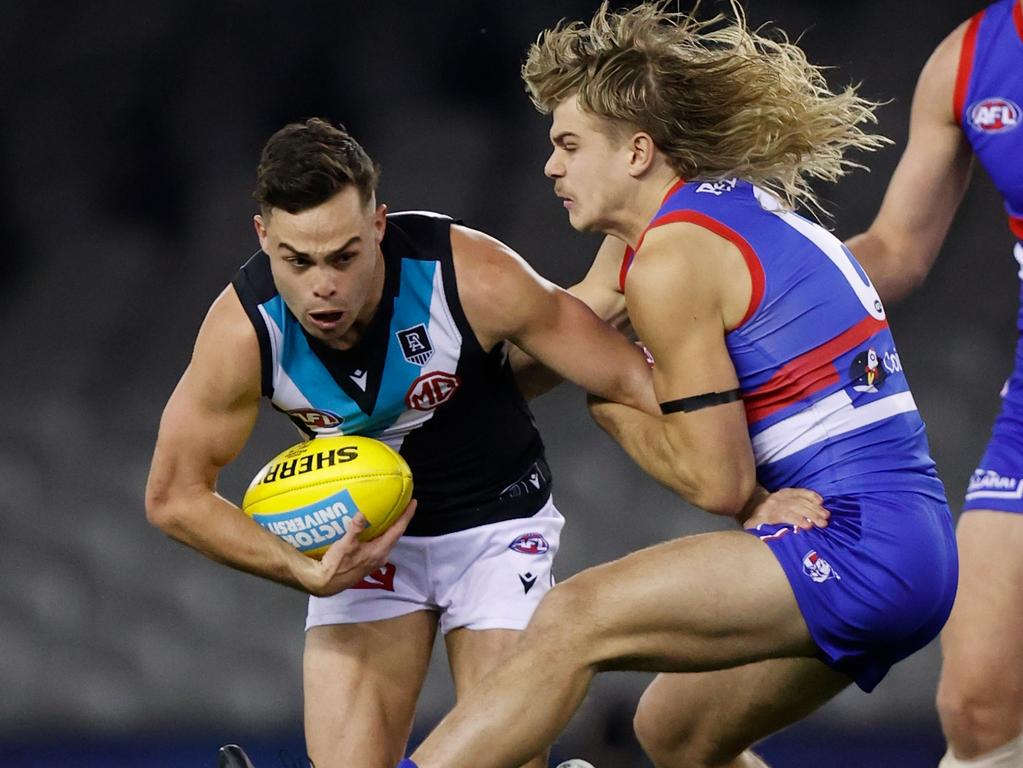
(968,105)
(691,142)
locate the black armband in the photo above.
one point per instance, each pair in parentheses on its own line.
(696,402)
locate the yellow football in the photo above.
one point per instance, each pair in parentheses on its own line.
(308,494)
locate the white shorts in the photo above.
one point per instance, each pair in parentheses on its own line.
(488,577)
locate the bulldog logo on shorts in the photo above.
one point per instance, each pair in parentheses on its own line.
(817,568)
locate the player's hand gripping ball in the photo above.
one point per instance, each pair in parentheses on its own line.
(309,494)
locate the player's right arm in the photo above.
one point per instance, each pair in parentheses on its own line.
(900,247)
(205,424)
(599,291)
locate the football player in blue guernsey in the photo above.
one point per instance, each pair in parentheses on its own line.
(352,320)
(691,142)
(968,104)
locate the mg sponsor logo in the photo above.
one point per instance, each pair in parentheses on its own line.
(994,115)
(431,390)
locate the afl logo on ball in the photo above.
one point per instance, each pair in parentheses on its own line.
(314,419)
(530,544)
(431,390)
(994,115)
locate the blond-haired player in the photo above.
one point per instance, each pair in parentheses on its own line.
(690,141)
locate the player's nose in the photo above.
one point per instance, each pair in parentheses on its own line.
(553,168)
(325,286)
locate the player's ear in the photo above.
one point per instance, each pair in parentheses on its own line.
(379,222)
(641,153)
(260,225)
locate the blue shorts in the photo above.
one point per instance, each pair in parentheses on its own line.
(876,584)
(997,483)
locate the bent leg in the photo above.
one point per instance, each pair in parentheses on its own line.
(980,695)
(361,685)
(474,653)
(709,719)
(658,609)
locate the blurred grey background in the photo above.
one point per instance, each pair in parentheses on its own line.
(129,135)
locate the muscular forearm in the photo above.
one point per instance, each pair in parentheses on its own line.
(701,478)
(219,530)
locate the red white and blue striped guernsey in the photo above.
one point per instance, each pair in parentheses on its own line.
(827,402)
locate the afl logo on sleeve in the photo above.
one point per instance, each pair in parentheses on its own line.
(994,115)
(415,344)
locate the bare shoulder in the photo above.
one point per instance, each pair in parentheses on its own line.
(693,268)
(495,285)
(936,87)
(477,255)
(226,358)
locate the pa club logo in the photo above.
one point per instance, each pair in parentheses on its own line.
(994,115)
(415,344)
(817,568)
(315,419)
(866,372)
(530,544)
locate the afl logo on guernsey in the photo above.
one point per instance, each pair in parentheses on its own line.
(994,115)
(315,419)
(431,390)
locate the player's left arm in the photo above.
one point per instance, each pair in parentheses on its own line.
(505,299)
(687,287)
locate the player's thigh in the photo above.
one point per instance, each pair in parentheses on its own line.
(361,685)
(983,640)
(714,716)
(691,604)
(473,653)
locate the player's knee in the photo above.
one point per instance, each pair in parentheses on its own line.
(977,718)
(680,744)
(650,735)
(564,617)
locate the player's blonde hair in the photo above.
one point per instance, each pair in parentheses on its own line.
(718,99)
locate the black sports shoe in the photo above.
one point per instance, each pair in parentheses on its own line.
(233,756)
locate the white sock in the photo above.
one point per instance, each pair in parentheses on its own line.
(1006,756)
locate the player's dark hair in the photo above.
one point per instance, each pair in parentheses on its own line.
(306,164)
